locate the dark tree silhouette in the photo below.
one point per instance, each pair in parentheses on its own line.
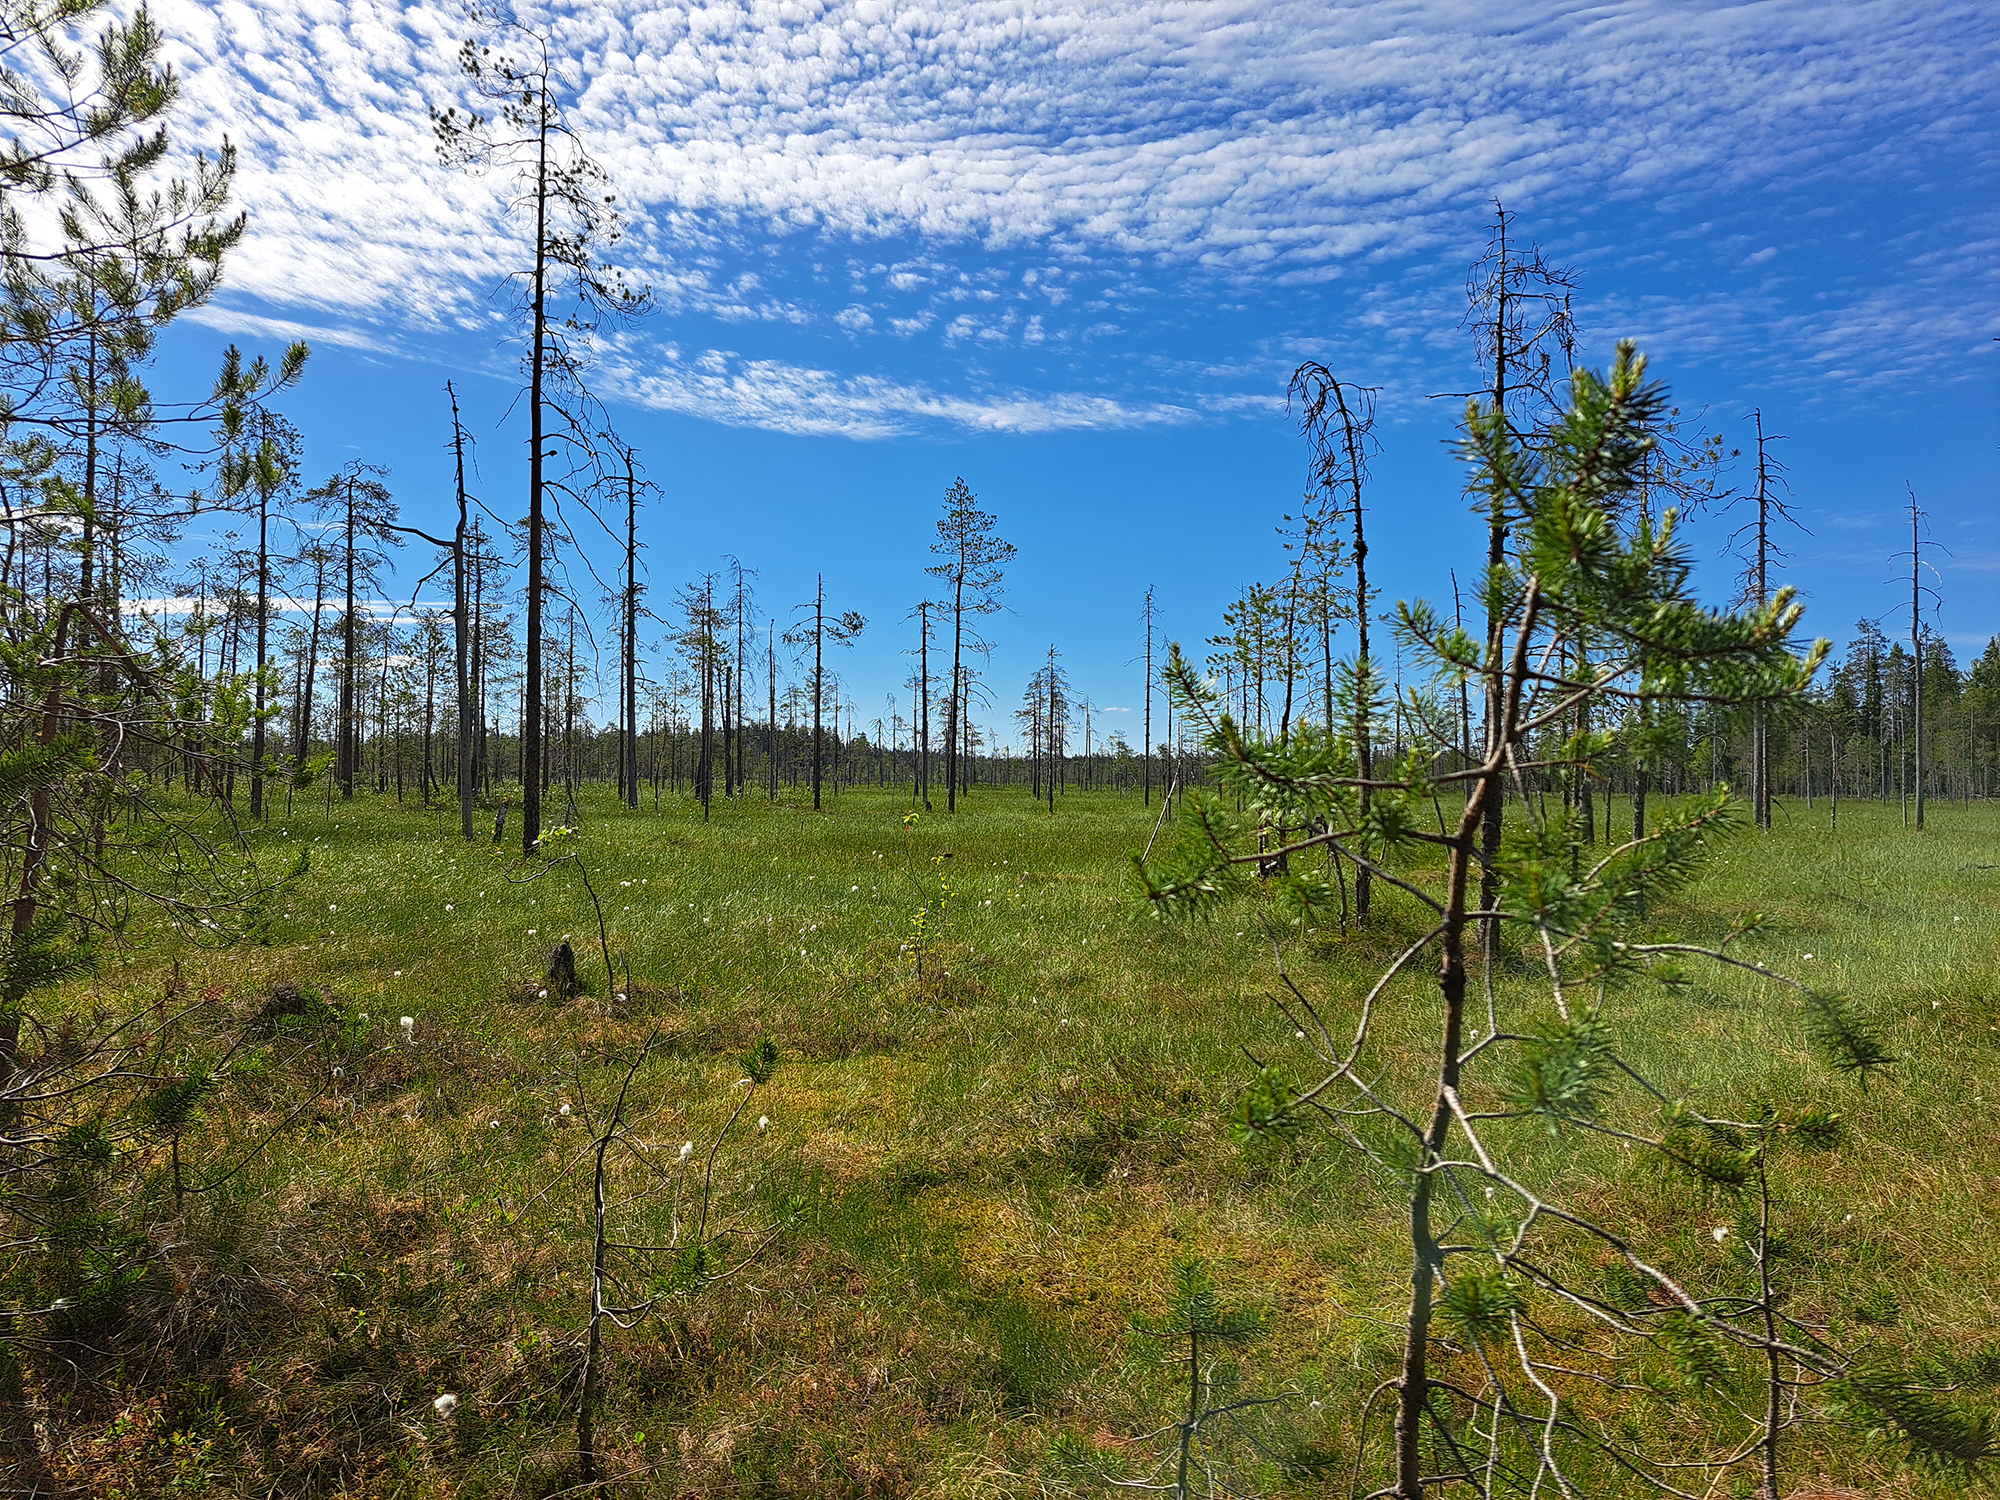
(562,194)
(841,630)
(973,558)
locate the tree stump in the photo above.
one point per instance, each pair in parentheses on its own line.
(500,822)
(562,983)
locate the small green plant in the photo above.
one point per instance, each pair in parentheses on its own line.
(931,919)
(1217,1445)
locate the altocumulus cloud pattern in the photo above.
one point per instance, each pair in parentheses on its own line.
(1004,177)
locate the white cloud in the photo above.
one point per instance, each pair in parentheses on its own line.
(792,398)
(226,319)
(1284,140)
(376,609)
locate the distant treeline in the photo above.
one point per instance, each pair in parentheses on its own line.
(1852,734)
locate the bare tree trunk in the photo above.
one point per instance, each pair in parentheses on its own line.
(1916,669)
(347,747)
(309,664)
(954,708)
(1774,1384)
(1363,746)
(461,634)
(924,699)
(1413,1383)
(742,701)
(1760,749)
(531,708)
(1496,555)
(819,680)
(34,855)
(1146,761)
(257,728)
(705,771)
(629,741)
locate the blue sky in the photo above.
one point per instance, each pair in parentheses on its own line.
(1073,251)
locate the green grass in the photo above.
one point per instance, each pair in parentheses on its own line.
(970,1187)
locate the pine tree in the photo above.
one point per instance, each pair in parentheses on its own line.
(973,560)
(1149,616)
(840,629)
(89,847)
(1919,590)
(566,290)
(1338,420)
(366,522)
(86,287)
(1494,1246)
(1524,336)
(264,472)
(1754,542)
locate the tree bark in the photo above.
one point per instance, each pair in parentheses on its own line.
(531,710)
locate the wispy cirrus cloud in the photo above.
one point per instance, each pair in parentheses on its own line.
(785,397)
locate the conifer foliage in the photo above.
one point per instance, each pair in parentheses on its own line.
(1512,1290)
(97,723)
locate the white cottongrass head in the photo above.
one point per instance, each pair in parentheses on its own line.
(564,1110)
(763,1122)
(1721,1233)
(687,1149)
(446,1404)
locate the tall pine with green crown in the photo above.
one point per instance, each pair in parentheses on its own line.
(971,559)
